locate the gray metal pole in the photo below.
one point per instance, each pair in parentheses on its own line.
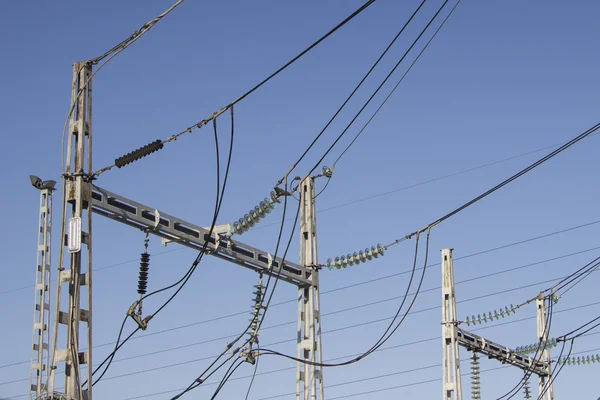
(545,382)
(451,380)
(309,318)
(41,312)
(77,197)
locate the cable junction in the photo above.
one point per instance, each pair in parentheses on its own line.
(580,360)
(253,216)
(362,256)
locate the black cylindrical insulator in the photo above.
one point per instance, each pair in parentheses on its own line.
(143,274)
(139,153)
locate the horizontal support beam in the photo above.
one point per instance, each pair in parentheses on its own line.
(501,353)
(143,217)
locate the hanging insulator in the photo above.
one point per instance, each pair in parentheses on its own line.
(256,311)
(475,378)
(139,153)
(143,274)
(526,388)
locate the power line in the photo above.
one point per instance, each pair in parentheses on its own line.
(417,369)
(364,78)
(220,193)
(431,289)
(562,148)
(370,323)
(372,281)
(217,113)
(378,88)
(439,178)
(396,86)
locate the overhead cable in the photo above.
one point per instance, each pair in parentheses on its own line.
(217,113)
(396,86)
(364,78)
(318,163)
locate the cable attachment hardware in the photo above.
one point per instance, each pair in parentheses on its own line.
(475,379)
(249,355)
(355,258)
(255,215)
(136,315)
(139,153)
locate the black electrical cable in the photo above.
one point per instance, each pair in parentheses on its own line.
(539,352)
(220,191)
(334,312)
(383,338)
(397,84)
(513,177)
(226,377)
(243,96)
(586,269)
(566,336)
(393,298)
(253,377)
(111,356)
(554,372)
(364,78)
(378,89)
(309,48)
(199,379)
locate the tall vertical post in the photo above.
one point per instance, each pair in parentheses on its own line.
(309,378)
(41,311)
(452,386)
(545,382)
(75,268)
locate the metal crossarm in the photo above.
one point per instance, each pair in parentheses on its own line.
(143,217)
(501,353)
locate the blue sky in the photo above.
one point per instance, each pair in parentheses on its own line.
(501,79)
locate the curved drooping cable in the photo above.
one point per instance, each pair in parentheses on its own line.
(217,113)
(220,191)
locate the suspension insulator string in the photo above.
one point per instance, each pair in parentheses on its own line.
(143,272)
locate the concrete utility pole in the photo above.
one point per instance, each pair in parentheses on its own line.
(545,382)
(77,271)
(309,318)
(80,200)
(41,311)
(452,385)
(453,336)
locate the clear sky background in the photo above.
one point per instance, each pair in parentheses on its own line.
(502,79)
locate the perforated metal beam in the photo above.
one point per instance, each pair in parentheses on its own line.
(501,353)
(143,217)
